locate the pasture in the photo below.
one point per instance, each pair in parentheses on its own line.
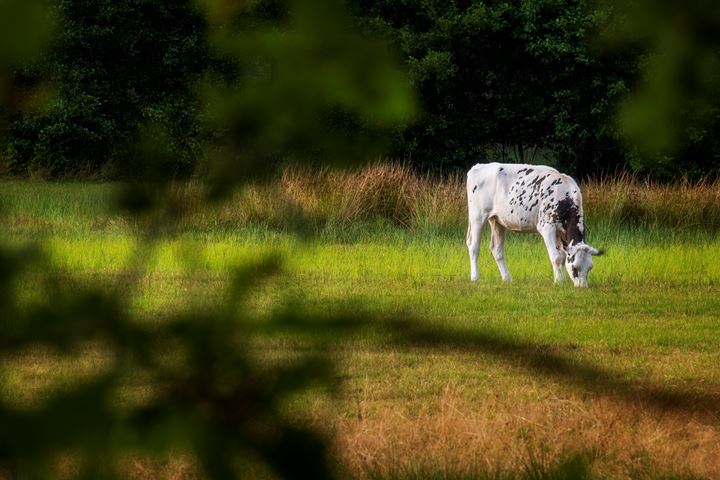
(441,377)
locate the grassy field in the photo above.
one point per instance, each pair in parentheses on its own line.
(448,378)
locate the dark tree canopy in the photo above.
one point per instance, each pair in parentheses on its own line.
(505,80)
(516,80)
(117,66)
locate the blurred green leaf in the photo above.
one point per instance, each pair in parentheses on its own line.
(671,113)
(307,88)
(26,26)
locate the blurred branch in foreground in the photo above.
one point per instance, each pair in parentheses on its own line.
(306,87)
(303,87)
(673,112)
(26,26)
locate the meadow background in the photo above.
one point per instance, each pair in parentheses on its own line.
(434,376)
(232,240)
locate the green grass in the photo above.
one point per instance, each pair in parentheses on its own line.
(428,277)
(633,359)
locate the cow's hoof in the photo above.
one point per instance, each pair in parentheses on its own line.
(474,278)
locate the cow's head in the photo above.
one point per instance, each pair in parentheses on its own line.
(578,262)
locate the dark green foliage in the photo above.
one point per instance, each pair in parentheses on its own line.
(511,80)
(504,80)
(116,67)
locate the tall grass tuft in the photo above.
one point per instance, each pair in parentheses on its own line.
(628,200)
(395,194)
(380,191)
(389,194)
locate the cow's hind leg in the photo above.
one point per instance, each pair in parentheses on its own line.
(555,252)
(497,247)
(475,226)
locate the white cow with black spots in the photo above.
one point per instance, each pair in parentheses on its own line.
(528,198)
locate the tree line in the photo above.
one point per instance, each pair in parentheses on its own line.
(553,81)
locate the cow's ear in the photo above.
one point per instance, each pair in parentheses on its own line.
(595,251)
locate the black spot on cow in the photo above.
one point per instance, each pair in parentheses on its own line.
(501,169)
(475,188)
(533,205)
(567,215)
(534,185)
(522,170)
(575,272)
(512,210)
(529,171)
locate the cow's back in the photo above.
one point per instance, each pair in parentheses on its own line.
(510,193)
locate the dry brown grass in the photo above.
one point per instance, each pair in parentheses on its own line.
(179,467)
(531,425)
(396,194)
(679,205)
(455,414)
(391,193)
(441,412)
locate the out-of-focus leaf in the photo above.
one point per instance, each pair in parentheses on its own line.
(673,107)
(308,88)
(26,26)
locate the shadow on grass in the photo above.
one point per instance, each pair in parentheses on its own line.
(542,359)
(545,361)
(573,467)
(577,466)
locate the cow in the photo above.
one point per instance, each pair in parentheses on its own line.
(528,198)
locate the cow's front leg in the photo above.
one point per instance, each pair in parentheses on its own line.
(556,254)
